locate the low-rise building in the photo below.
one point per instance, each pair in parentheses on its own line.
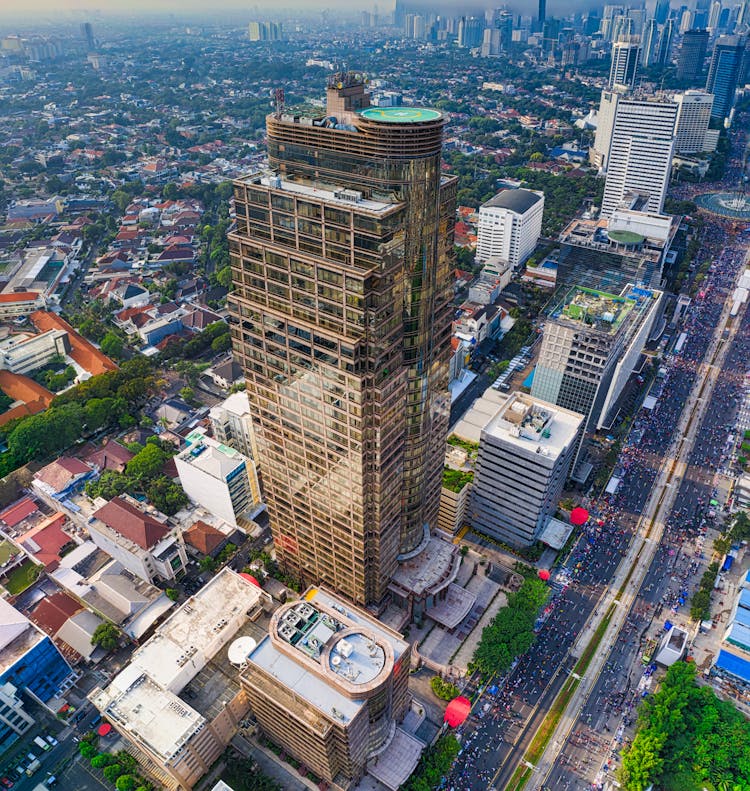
(141,540)
(17,304)
(179,700)
(24,353)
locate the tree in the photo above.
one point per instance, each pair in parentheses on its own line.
(221,344)
(166,495)
(112,345)
(112,772)
(187,394)
(86,749)
(101,760)
(106,636)
(172,593)
(126,783)
(207,563)
(146,464)
(224,277)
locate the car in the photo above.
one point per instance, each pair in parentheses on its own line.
(7,782)
(52,740)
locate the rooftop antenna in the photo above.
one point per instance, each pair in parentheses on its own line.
(278,98)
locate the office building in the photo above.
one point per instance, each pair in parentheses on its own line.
(178,701)
(509,226)
(232,424)
(265,31)
(541,14)
(470,32)
(622,72)
(348,393)
(87,32)
(329,684)
(661,12)
(591,345)
(723,74)
(639,157)
(665,43)
(650,43)
(691,55)
(220,479)
(693,117)
(31,664)
(525,455)
(143,541)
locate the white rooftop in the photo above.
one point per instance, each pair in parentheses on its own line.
(142,698)
(211,457)
(479,415)
(534,425)
(235,404)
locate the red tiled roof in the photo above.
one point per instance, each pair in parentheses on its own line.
(205,538)
(20,388)
(130,522)
(19,296)
(61,472)
(111,456)
(50,537)
(83,352)
(18,511)
(52,612)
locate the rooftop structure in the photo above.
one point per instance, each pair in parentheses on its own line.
(143,701)
(525,454)
(595,309)
(327,684)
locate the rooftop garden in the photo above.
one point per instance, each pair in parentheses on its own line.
(455,480)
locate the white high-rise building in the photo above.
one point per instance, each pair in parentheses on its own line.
(625,57)
(605,122)
(650,42)
(232,424)
(640,153)
(693,116)
(510,225)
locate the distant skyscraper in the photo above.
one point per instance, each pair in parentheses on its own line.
(640,153)
(470,32)
(665,43)
(342,322)
(265,31)
(713,16)
(724,72)
(542,14)
(661,12)
(691,55)
(622,72)
(650,43)
(88,36)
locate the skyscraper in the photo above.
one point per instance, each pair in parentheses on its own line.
(640,153)
(341,315)
(692,54)
(661,12)
(650,43)
(723,73)
(665,42)
(542,15)
(625,57)
(88,36)
(693,116)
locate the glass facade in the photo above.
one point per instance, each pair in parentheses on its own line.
(42,670)
(341,320)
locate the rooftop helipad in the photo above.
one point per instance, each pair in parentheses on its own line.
(400,115)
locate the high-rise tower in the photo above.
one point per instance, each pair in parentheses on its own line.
(723,73)
(692,54)
(624,66)
(341,319)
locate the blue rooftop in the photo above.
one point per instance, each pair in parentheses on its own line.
(734,665)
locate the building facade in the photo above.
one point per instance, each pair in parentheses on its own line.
(509,226)
(693,117)
(525,456)
(624,66)
(639,155)
(328,684)
(691,55)
(591,345)
(232,424)
(22,354)
(219,478)
(341,320)
(724,73)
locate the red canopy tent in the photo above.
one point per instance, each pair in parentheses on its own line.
(457,711)
(579,516)
(543,575)
(104,729)
(250,578)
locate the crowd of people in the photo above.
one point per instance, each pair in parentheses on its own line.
(605,539)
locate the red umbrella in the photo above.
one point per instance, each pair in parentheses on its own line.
(250,579)
(579,516)
(543,575)
(104,729)
(457,711)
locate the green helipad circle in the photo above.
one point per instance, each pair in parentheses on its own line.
(625,237)
(400,115)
